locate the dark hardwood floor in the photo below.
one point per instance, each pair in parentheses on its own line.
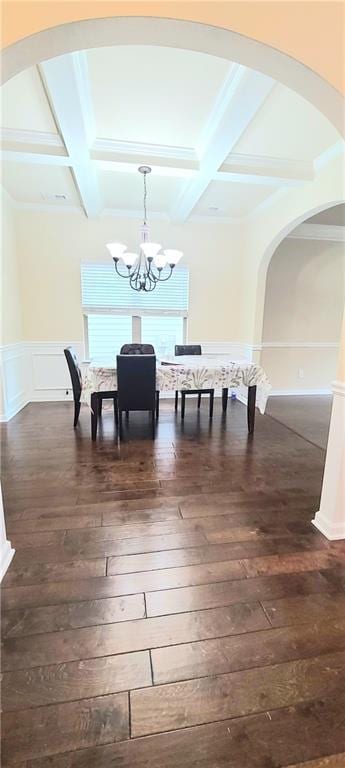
(170,604)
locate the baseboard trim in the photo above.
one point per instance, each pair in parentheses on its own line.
(331,532)
(5,418)
(295,392)
(7,554)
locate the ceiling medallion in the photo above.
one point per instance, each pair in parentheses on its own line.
(148,267)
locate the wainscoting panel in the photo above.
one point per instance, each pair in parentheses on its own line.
(37,371)
(50,379)
(15,378)
(300,368)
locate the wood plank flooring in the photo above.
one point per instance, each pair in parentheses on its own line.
(170,604)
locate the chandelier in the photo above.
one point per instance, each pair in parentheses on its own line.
(148,267)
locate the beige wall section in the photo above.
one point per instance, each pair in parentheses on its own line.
(11,330)
(51,247)
(305,295)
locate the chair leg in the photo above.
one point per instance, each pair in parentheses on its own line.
(157,404)
(127,414)
(225,393)
(76,412)
(153,417)
(199,399)
(251,409)
(120,425)
(176,400)
(100,402)
(211,403)
(116,415)
(183,403)
(94,415)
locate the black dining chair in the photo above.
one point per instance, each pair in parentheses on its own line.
(136,385)
(141,349)
(191,349)
(137,349)
(96,397)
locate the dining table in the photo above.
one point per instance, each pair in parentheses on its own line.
(187,372)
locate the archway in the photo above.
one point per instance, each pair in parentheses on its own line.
(304,302)
(178,34)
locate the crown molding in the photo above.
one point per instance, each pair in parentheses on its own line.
(21,136)
(47,207)
(261,169)
(318,232)
(147,150)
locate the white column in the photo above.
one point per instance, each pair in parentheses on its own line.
(330,519)
(6,551)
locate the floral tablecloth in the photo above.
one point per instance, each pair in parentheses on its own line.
(189,372)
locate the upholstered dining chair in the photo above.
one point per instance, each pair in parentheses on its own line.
(97,397)
(136,385)
(141,349)
(191,349)
(137,349)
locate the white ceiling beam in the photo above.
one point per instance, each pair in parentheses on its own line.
(36,158)
(66,83)
(242,96)
(271,171)
(179,162)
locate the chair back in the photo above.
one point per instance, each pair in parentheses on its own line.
(136,382)
(137,349)
(187,349)
(75,372)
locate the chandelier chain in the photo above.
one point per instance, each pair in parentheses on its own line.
(145,198)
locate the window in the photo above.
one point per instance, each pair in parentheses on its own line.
(114,314)
(107,333)
(163,332)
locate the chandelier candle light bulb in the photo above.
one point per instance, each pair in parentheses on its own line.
(140,266)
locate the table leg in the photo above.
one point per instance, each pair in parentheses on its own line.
(225,393)
(251,409)
(211,403)
(94,415)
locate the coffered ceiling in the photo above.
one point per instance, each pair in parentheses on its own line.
(221,138)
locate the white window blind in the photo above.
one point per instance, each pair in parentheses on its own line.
(163,332)
(107,334)
(105,292)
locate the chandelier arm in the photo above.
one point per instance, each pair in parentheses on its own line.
(164,279)
(120,273)
(135,281)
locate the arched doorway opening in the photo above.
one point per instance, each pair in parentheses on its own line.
(304,302)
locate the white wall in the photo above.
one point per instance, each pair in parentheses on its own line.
(13,360)
(304,301)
